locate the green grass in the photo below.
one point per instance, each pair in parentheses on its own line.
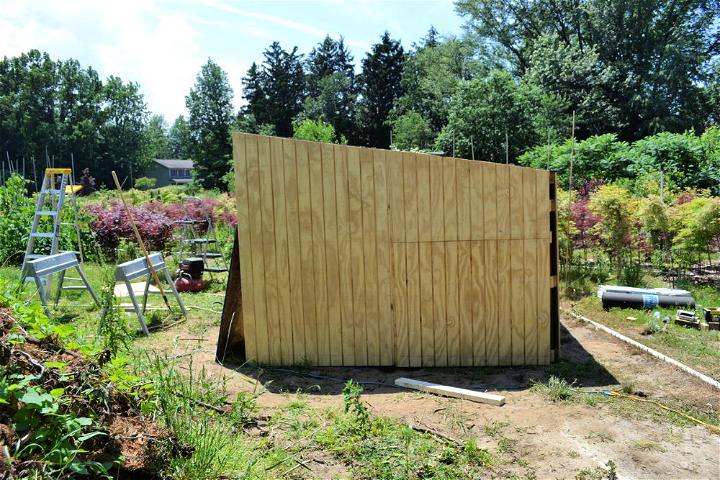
(556,389)
(77,305)
(219,445)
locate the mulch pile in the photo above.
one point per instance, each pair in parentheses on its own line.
(143,444)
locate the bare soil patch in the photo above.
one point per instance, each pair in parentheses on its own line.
(533,436)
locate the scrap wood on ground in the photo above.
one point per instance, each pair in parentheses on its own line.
(61,414)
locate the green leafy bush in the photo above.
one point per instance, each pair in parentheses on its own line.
(145,183)
(314,130)
(16,213)
(679,155)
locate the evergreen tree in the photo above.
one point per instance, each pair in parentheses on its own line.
(275,93)
(210,106)
(331,87)
(380,85)
(329,57)
(253,93)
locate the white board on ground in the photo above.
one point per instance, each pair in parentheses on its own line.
(455,392)
(138,288)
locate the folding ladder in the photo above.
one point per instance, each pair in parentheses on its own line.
(203,246)
(57,185)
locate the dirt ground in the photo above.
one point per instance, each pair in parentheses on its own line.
(543,438)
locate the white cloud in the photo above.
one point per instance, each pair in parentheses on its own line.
(133,39)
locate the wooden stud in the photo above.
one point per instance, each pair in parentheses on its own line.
(454,392)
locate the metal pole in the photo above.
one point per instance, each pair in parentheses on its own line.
(34,173)
(548,150)
(662,188)
(472,147)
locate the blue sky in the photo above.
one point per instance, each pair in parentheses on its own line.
(162,44)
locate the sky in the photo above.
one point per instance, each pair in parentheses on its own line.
(162,44)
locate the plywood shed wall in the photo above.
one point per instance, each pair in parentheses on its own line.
(358,256)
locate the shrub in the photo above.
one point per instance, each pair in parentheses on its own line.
(613,204)
(697,224)
(597,157)
(111,225)
(411,130)
(314,130)
(16,214)
(679,155)
(145,183)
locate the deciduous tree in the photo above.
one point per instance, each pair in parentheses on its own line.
(210,106)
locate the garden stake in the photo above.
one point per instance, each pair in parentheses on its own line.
(139,239)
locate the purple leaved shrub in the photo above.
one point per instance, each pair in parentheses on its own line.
(111,225)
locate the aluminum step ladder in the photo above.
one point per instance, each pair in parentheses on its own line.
(204,246)
(57,185)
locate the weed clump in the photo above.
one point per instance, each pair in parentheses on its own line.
(556,389)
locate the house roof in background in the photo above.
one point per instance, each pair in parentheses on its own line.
(171,163)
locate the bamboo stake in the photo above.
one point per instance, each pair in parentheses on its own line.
(572,154)
(139,239)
